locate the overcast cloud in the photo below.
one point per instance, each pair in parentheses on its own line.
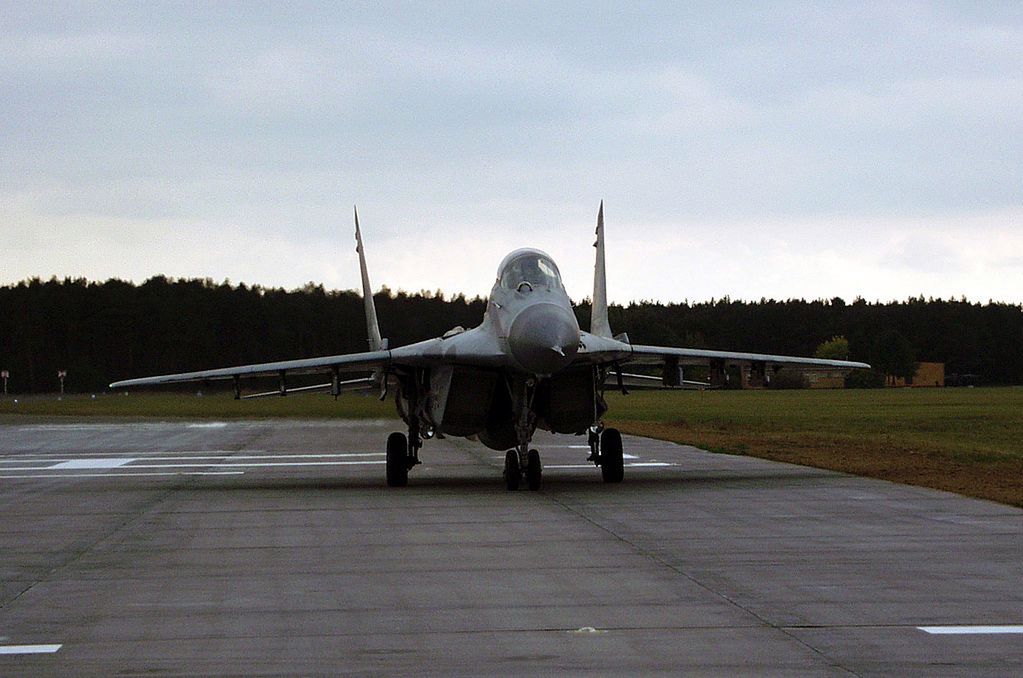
(780,150)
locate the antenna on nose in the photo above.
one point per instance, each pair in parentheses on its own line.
(599,324)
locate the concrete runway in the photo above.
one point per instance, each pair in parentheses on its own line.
(276,548)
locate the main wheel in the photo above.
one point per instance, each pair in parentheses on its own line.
(397,460)
(512,472)
(612,460)
(534,471)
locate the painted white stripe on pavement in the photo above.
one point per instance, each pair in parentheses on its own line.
(91,463)
(263,464)
(971,630)
(29,649)
(100,462)
(637,464)
(215,465)
(345,455)
(212,454)
(122,475)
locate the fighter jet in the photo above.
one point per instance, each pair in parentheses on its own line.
(528,365)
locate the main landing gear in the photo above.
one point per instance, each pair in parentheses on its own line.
(402,455)
(607,453)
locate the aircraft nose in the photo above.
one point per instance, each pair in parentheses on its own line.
(544,338)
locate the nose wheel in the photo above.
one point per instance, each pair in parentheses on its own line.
(515,471)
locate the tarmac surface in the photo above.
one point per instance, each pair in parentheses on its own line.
(274,547)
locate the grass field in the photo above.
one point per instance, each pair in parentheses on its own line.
(964,440)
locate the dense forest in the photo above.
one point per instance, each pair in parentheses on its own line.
(100,332)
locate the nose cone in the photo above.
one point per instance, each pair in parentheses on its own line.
(544,338)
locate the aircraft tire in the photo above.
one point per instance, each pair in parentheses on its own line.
(534,471)
(397,460)
(512,472)
(612,460)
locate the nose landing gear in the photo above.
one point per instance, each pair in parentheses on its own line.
(514,470)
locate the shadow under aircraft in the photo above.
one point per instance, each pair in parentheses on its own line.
(528,365)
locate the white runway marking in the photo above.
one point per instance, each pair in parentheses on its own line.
(90,463)
(212,424)
(264,464)
(210,454)
(29,649)
(971,630)
(124,475)
(347,455)
(217,465)
(633,465)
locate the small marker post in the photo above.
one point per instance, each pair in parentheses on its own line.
(5,375)
(61,374)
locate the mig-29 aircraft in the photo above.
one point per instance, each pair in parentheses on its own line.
(528,365)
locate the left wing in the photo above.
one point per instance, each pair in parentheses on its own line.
(699,356)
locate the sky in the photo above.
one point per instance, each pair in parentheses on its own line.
(750,150)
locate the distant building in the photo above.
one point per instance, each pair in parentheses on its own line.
(824,378)
(927,375)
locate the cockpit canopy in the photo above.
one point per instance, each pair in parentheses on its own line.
(529,266)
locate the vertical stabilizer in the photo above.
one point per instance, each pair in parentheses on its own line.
(599,324)
(372,326)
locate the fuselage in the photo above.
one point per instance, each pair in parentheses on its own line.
(521,368)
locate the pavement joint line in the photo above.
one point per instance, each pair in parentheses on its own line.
(654,556)
(450,632)
(77,555)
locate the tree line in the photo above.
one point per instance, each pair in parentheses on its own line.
(103,331)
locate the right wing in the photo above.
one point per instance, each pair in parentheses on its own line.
(341,363)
